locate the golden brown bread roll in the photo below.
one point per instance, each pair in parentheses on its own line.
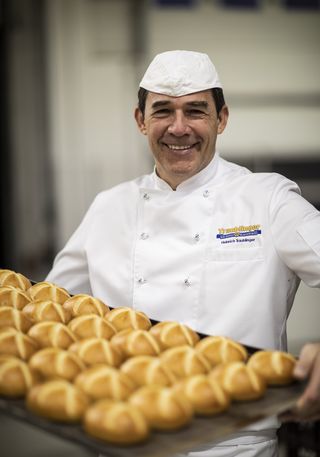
(86,304)
(11,317)
(124,317)
(11,278)
(102,381)
(55,362)
(239,380)
(205,394)
(58,400)
(171,334)
(220,349)
(15,343)
(91,325)
(185,361)
(97,350)
(163,407)
(48,291)
(116,422)
(147,370)
(16,377)
(276,367)
(46,310)
(118,340)
(11,296)
(52,334)
(136,342)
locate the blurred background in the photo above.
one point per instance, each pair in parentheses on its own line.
(70,70)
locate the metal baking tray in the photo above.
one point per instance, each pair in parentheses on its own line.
(201,431)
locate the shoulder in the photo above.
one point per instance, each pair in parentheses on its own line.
(125,191)
(264,182)
(275,186)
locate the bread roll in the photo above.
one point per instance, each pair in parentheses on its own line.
(101,381)
(123,318)
(15,343)
(16,377)
(163,407)
(91,325)
(54,362)
(139,342)
(220,349)
(85,304)
(185,361)
(205,394)
(46,310)
(11,317)
(11,278)
(147,370)
(48,291)
(276,367)
(239,380)
(119,340)
(116,422)
(52,334)
(97,350)
(171,334)
(11,296)
(58,400)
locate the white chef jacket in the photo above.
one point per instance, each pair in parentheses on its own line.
(223,253)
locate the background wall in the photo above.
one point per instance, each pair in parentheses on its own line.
(268,60)
(68,81)
(73,72)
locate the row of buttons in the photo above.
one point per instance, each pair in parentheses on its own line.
(186,281)
(205,194)
(145,236)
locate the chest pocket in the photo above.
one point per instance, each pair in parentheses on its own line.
(234,255)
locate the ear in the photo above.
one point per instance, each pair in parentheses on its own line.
(139,117)
(223,118)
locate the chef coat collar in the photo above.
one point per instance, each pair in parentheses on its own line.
(198,180)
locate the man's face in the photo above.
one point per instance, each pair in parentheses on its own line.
(182,133)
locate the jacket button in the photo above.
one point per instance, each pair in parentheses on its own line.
(187,282)
(206,193)
(196,237)
(146,196)
(142,281)
(144,236)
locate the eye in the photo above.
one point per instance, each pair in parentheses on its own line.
(195,113)
(163,112)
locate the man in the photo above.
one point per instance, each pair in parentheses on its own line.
(200,240)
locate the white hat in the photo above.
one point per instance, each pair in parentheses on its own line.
(177,73)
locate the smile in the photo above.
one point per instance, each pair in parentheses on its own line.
(176,147)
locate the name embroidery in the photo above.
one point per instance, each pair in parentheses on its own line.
(239,234)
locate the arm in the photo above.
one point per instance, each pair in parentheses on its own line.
(296,230)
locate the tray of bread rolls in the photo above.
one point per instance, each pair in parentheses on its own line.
(119,383)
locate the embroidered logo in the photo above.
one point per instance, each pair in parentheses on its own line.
(239,234)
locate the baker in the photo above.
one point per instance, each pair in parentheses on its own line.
(201,240)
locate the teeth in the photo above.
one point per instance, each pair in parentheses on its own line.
(175,146)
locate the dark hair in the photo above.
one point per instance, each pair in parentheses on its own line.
(217,94)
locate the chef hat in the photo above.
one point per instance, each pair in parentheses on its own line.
(177,73)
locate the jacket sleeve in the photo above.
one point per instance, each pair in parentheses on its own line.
(70,267)
(295,226)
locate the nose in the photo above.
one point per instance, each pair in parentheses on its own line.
(178,125)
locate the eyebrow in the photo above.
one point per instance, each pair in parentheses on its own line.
(160,103)
(195,104)
(199,104)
